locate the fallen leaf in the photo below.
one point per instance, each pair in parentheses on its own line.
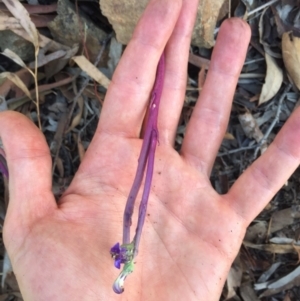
(43,89)
(251,129)
(228,136)
(234,278)
(22,15)
(273,80)
(283,283)
(265,276)
(17,81)
(274,75)
(284,218)
(77,118)
(14,57)
(291,56)
(80,147)
(247,292)
(273,248)
(198,61)
(91,70)
(257,231)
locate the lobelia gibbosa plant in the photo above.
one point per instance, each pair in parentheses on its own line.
(127,251)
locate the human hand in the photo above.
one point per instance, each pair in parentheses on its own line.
(191,234)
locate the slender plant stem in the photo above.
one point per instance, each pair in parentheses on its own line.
(146,192)
(146,149)
(134,191)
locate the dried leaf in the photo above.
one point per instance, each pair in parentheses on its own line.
(201,78)
(265,276)
(284,283)
(234,278)
(57,65)
(7,22)
(274,248)
(17,81)
(251,129)
(284,218)
(60,167)
(198,61)
(228,136)
(274,76)
(247,292)
(19,12)
(14,57)
(273,80)
(80,147)
(77,118)
(257,231)
(22,15)
(91,70)
(291,56)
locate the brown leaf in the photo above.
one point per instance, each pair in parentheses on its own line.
(273,80)
(228,136)
(251,129)
(273,248)
(91,70)
(284,218)
(22,15)
(17,81)
(291,56)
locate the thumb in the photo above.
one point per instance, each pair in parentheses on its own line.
(29,165)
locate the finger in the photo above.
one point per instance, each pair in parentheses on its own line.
(128,93)
(29,165)
(209,120)
(259,183)
(177,52)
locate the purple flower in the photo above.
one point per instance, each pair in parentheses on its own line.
(121,254)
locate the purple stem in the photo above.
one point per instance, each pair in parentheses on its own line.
(146,149)
(146,193)
(134,190)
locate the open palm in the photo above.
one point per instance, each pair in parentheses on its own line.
(191,234)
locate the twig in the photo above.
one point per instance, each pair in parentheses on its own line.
(236,150)
(261,7)
(275,120)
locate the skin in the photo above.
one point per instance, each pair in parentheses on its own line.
(192,234)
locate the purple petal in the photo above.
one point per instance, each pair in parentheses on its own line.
(118,263)
(115,249)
